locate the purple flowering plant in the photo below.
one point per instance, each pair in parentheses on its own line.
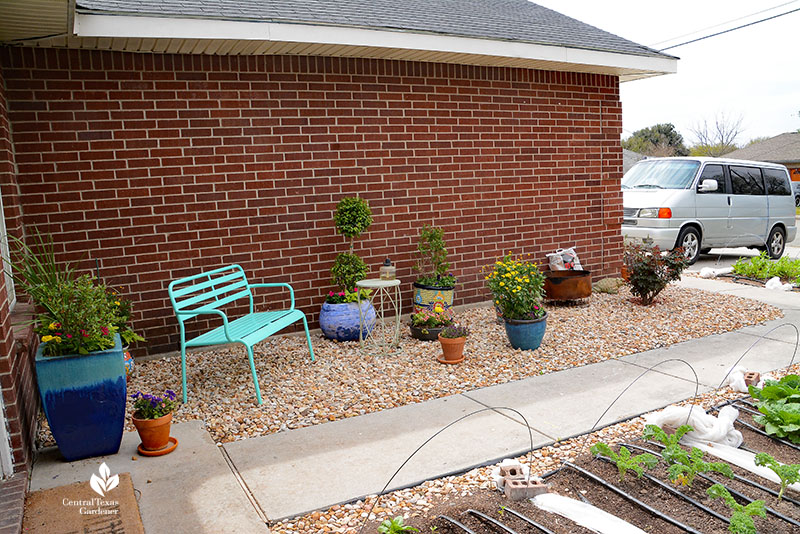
(151,406)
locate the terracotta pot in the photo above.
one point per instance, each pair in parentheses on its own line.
(452,349)
(154,433)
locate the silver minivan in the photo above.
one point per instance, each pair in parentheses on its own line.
(698,203)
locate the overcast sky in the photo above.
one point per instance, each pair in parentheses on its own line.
(753,72)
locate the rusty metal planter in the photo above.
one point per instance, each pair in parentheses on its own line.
(567,285)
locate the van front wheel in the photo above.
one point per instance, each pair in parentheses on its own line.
(776,242)
(689,240)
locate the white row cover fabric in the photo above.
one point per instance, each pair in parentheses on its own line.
(706,427)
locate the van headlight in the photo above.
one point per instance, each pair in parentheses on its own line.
(655,213)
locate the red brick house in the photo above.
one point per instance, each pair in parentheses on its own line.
(154,139)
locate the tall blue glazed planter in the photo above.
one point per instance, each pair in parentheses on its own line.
(340,321)
(84,400)
(526,335)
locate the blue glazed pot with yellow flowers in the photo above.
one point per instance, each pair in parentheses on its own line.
(517,287)
(80,370)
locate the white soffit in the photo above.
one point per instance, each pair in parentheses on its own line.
(208,36)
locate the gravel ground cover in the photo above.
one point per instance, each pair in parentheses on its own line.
(346,382)
(419,504)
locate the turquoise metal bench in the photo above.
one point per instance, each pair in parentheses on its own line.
(205,293)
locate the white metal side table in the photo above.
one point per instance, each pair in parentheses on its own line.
(385,297)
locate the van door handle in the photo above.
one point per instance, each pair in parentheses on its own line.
(729,201)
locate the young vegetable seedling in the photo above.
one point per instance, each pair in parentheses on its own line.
(393,526)
(789,474)
(741,521)
(625,461)
(683,466)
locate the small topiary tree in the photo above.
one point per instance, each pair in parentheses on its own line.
(650,270)
(352,217)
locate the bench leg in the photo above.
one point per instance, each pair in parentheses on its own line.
(183,371)
(308,338)
(253,371)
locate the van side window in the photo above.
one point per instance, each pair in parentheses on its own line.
(714,172)
(777,182)
(746,181)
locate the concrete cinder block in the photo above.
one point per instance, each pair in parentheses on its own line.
(518,489)
(751,378)
(511,471)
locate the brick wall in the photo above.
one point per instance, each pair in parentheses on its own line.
(17,383)
(158,166)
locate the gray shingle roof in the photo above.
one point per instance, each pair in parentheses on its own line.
(513,20)
(784,148)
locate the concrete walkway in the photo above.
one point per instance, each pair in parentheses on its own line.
(205,488)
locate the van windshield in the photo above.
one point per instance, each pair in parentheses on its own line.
(661,174)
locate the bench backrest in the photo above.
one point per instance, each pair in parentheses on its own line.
(209,290)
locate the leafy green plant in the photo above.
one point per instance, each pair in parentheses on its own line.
(122,311)
(763,268)
(625,461)
(650,270)
(741,521)
(779,402)
(684,466)
(392,526)
(348,269)
(432,264)
(352,217)
(789,474)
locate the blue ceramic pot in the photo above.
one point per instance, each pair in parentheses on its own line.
(526,335)
(340,321)
(84,400)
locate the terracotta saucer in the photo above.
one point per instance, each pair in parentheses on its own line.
(168,448)
(450,362)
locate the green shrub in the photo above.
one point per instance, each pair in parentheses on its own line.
(432,265)
(347,270)
(352,217)
(650,270)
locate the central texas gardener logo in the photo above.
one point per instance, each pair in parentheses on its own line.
(105,482)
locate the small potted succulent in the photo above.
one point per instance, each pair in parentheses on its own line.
(152,417)
(517,287)
(434,283)
(452,339)
(427,323)
(339,316)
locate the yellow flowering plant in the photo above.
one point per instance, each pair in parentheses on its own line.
(517,287)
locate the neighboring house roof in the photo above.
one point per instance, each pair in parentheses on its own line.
(514,33)
(783,148)
(629,159)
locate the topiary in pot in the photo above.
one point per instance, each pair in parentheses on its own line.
(339,317)
(434,285)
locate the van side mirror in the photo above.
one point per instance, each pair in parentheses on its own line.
(708,185)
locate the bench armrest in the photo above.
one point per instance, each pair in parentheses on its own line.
(207,311)
(279,284)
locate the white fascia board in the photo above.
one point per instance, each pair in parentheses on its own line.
(90,25)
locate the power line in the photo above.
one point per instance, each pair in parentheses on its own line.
(722,23)
(730,30)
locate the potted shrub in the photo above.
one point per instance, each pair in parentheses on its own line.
(79,362)
(434,284)
(427,323)
(339,317)
(152,417)
(517,287)
(452,339)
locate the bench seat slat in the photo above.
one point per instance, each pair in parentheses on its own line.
(244,327)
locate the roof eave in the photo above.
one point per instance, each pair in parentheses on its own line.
(91,30)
